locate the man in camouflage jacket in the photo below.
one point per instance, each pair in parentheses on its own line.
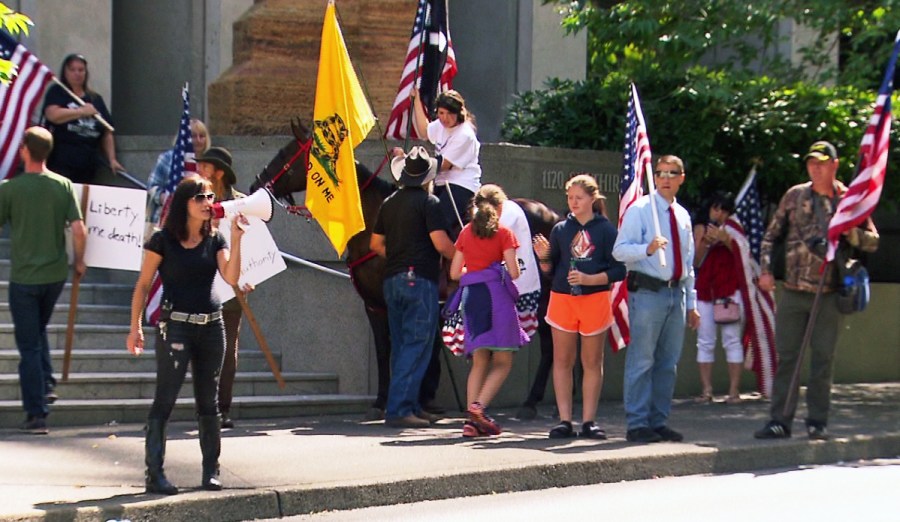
(802,221)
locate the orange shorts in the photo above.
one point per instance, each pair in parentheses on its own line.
(585,314)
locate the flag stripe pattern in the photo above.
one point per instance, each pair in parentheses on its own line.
(18,99)
(862,196)
(748,208)
(430,61)
(183,164)
(637,156)
(759,311)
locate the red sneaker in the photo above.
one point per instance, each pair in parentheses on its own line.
(482,421)
(470,431)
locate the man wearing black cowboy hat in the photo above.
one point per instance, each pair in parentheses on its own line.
(411,234)
(216,165)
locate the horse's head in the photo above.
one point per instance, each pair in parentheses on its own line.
(286,173)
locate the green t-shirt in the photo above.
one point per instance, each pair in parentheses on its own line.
(38,206)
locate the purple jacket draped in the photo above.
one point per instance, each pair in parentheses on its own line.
(489,311)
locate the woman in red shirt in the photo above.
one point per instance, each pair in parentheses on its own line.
(717,280)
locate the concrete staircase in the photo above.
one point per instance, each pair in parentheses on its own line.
(108,385)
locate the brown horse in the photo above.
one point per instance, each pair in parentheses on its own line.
(286,174)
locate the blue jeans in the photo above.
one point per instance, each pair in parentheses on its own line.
(657,334)
(202,345)
(31,307)
(412,317)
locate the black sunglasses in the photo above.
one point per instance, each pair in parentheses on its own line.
(208,196)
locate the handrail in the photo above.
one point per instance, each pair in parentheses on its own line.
(294,259)
(131,179)
(288,257)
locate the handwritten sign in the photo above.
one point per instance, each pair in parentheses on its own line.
(260,258)
(114,218)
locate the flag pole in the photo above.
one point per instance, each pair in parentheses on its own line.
(412,88)
(648,169)
(790,402)
(78,100)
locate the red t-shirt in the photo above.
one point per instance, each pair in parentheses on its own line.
(718,276)
(480,252)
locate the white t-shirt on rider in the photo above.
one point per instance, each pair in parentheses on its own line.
(513,217)
(459,146)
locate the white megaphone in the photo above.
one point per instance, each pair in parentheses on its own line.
(259,204)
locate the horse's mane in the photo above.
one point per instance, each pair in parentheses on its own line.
(363,175)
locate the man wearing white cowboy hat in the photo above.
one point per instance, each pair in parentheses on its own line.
(410,233)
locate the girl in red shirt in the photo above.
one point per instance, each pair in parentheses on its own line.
(488,305)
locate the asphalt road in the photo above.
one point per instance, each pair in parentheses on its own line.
(864,491)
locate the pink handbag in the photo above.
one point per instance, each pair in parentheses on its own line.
(726,311)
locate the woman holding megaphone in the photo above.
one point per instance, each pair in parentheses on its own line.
(216,165)
(186,253)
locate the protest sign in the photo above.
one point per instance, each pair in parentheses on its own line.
(260,258)
(114,218)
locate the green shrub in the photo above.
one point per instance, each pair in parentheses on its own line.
(717,124)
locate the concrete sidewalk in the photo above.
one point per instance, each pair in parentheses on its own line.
(294,466)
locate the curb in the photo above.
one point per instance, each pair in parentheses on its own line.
(238,504)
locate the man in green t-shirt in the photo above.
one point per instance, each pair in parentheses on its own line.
(38,205)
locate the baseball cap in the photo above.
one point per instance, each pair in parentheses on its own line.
(821,150)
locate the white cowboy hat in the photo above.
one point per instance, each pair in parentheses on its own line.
(414,169)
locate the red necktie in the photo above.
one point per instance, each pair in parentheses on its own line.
(676,246)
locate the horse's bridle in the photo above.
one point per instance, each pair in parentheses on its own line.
(303,148)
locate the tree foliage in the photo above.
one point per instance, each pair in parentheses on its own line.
(12,22)
(713,89)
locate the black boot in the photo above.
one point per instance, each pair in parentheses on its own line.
(154,454)
(210,447)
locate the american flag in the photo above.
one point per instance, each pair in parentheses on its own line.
(636,163)
(18,99)
(748,208)
(182,164)
(430,63)
(758,307)
(862,196)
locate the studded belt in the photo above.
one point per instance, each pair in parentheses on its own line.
(195,318)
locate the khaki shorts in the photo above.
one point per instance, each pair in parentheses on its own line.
(585,314)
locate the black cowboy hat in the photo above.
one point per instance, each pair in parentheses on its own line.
(221,158)
(414,169)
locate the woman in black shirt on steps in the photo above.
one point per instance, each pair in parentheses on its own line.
(187,252)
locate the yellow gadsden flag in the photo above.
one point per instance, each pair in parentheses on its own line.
(343,118)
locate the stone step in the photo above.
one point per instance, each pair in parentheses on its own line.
(84,336)
(86,314)
(89,293)
(119,360)
(92,275)
(141,385)
(99,412)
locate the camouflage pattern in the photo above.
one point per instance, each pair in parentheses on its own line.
(805,235)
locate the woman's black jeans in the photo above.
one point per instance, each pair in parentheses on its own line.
(201,345)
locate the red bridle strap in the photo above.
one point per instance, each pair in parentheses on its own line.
(303,150)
